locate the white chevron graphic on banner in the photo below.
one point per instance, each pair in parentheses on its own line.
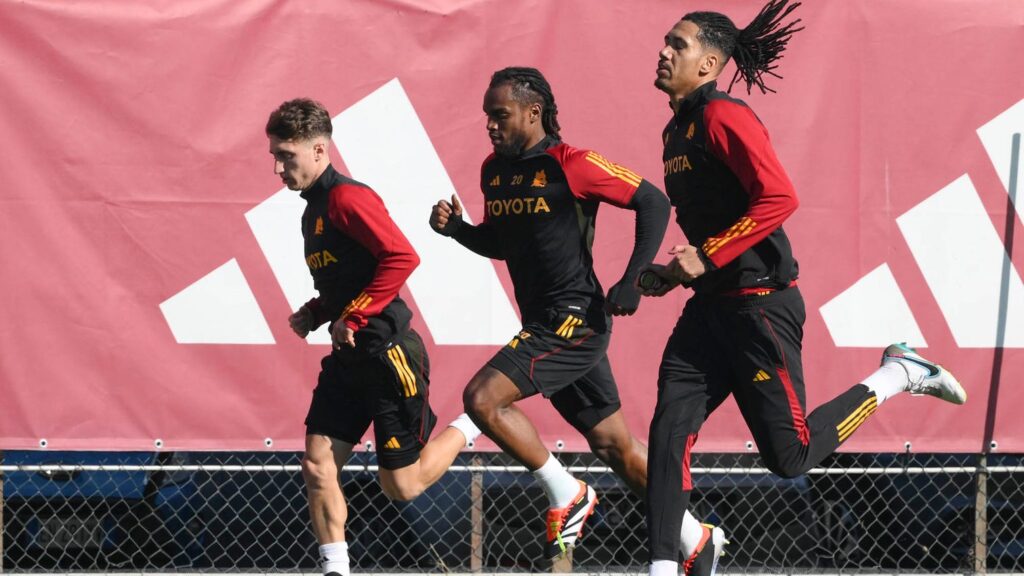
(872,311)
(996,136)
(219,308)
(962,257)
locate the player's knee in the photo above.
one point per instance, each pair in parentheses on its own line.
(786,459)
(472,402)
(609,450)
(787,473)
(318,473)
(402,492)
(607,454)
(787,469)
(477,400)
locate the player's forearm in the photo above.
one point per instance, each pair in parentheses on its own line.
(480,239)
(325,309)
(318,312)
(652,213)
(765,214)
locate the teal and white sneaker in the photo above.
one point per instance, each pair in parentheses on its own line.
(925,376)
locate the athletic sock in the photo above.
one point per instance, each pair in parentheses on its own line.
(690,534)
(889,380)
(559,485)
(466,426)
(664,568)
(334,558)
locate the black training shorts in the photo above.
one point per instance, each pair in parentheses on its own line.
(564,358)
(390,390)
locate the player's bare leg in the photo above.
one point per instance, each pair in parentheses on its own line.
(436,457)
(323,459)
(490,401)
(615,445)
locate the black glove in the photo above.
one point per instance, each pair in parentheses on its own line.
(452,225)
(623,298)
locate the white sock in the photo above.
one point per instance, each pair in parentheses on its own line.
(558,484)
(690,534)
(889,380)
(334,558)
(664,568)
(466,426)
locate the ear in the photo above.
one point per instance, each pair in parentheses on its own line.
(535,112)
(319,149)
(709,62)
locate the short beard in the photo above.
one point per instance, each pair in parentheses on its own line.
(510,148)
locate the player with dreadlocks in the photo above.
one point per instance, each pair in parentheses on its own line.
(741,332)
(541,200)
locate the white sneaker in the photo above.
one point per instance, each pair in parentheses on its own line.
(934,381)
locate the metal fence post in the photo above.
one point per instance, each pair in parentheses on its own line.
(981,515)
(476,518)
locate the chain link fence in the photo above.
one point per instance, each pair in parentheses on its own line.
(247,512)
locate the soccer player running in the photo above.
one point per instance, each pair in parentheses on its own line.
(541,200)
(378,369)
(741,331)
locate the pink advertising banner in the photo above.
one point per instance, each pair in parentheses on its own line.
(151,257)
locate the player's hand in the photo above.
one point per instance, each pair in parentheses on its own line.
(301,321)
(342,335)
(446,218)
(623,299)
(686,265)
(664,285)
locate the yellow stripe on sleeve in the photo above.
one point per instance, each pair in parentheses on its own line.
(620,172)
(741,228)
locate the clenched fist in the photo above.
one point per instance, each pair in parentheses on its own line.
(446,218)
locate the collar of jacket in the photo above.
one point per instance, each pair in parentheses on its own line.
(539,148)
(696,98)
(321,186)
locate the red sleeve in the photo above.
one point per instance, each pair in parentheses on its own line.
(361,215)
(736,137)
(592,177)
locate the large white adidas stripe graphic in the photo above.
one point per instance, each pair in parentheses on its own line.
(382,143)
(961,256)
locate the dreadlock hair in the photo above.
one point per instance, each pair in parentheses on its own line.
(528,86)
(299,119)
(756,47)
